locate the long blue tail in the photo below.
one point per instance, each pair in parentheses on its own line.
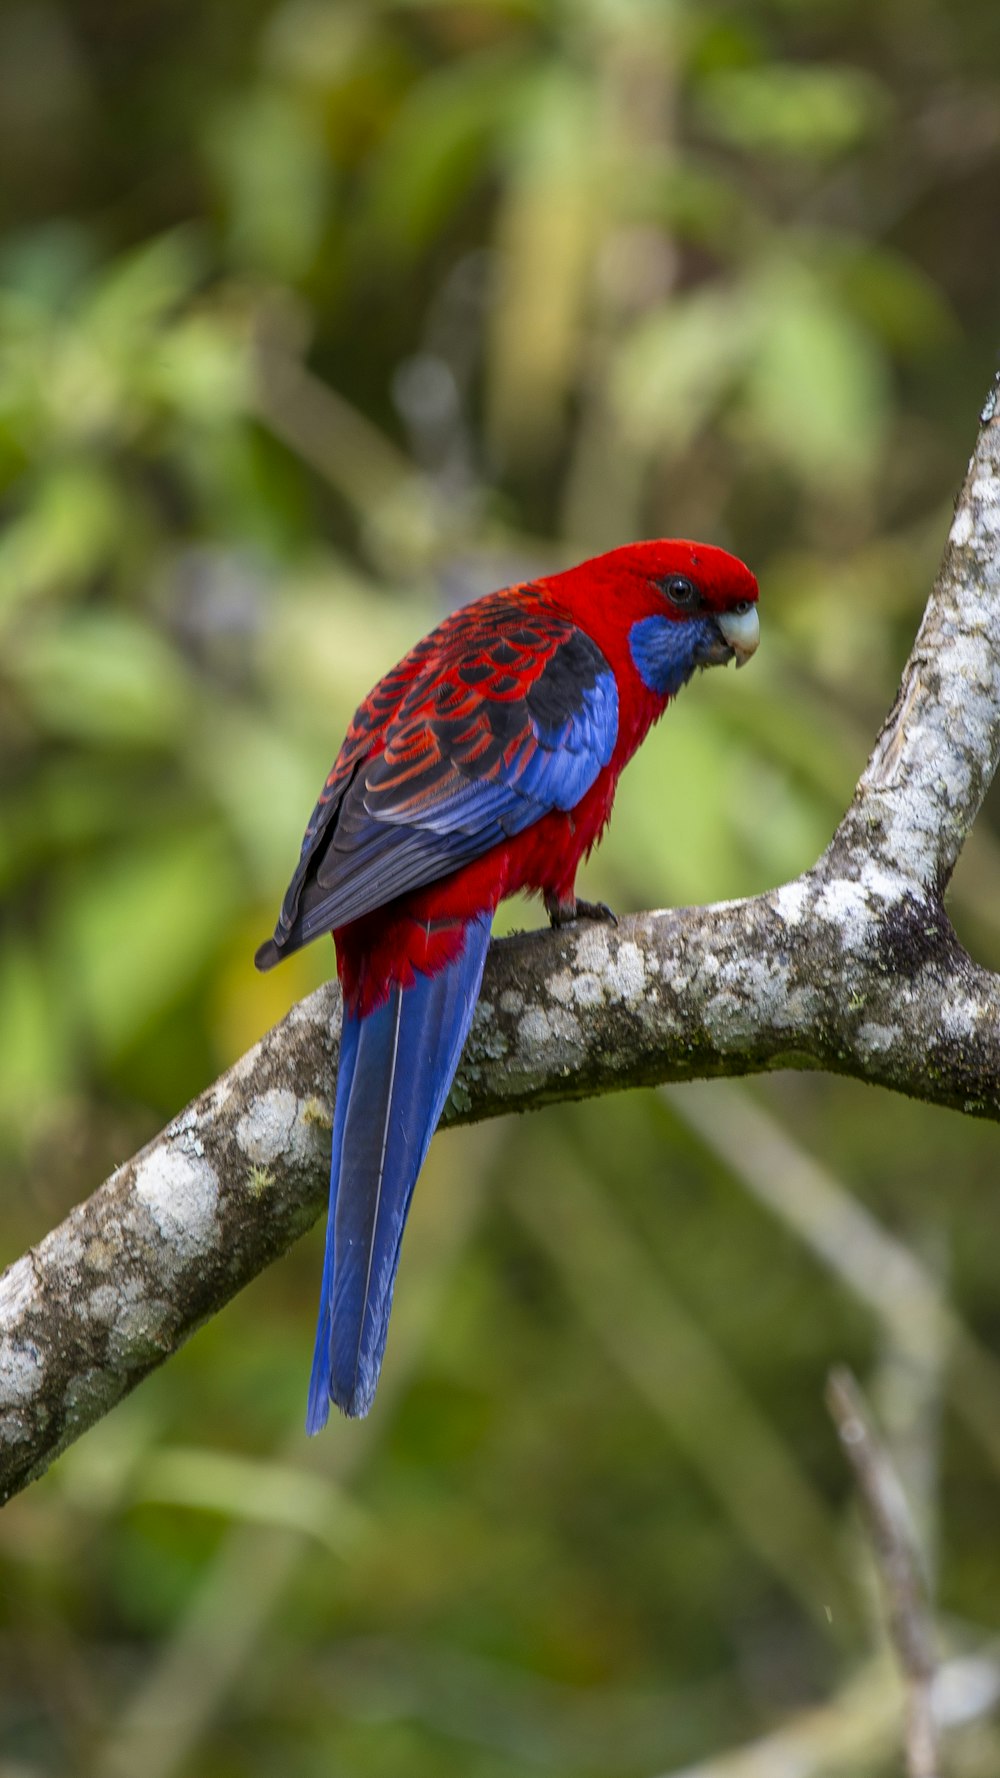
(396,1067)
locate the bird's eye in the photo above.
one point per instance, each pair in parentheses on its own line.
(680,590)
(741,607)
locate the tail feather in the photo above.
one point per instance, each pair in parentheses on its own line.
(318,1410)
(397,1065)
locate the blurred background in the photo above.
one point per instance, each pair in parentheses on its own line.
(318,318)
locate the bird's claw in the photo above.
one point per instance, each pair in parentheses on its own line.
(582,910)
(596,910)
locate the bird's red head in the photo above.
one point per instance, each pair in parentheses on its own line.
(642,573)
(667,606)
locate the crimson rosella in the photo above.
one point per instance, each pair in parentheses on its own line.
(484,763)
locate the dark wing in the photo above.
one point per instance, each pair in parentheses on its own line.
(366,728)
(503,713)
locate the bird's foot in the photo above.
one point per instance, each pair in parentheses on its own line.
(566,914)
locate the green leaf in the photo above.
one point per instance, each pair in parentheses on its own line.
(136,931)
(201,370)
(270,157)
(34,1061)
(437,145)
(140,291)
(100,676)
(252,1490)
(674,369)
(894,298)
(817,392)
(68,530)
(802,111)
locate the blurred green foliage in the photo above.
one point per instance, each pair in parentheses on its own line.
(316,318)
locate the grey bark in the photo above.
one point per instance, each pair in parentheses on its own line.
(852,967)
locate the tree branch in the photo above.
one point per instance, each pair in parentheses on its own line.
(852,967)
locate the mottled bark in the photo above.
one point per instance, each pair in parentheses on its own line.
(853,967)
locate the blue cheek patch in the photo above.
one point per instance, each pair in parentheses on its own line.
(666,652)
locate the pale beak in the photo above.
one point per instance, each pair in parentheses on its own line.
(741,629)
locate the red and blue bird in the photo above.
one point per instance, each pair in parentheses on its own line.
(485,763)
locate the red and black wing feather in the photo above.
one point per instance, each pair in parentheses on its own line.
(502,713)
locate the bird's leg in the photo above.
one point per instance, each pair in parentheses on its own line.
(564,913)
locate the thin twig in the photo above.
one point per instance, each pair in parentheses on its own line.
(908,1615)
